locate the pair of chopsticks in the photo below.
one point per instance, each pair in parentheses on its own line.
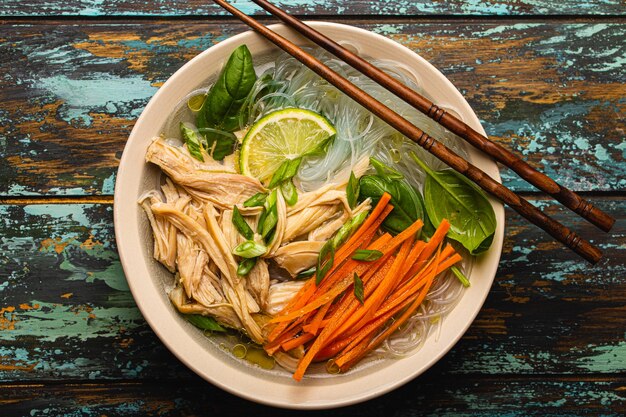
(452,123)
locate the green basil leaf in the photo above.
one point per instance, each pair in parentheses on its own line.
(204,322)
(358,288)
(221,142)
(368,255)
(325,261)
(449,195)
(352,190)
(256,200)
(241,225)
(246,266)
(306,274)
(290,193)
(190,137)
(384,170)
(407,203)
(223,104)
(249,249)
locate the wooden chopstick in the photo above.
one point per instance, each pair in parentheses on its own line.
(546,184)
(517,203)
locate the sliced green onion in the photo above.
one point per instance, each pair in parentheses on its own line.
(292,169)
(246,266)
(325,261)
(271,199)
(358,288)
(269,222)
(352,190)
(368,255)
(241,225)
(307,273)
(286,171)
(190,137)
(384,170)
(277,178)
(204,322)
(250,249)
(460,276)
(256,200)
(348,229)
(290,193)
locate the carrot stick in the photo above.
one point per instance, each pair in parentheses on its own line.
(345,363)
(368,330)
(432,245)
(370,284)
(314,326)
(404,235)
(411,259)
(375,218)
(297,341)
(328,296)
(364,312)
(382,291)
(350,264)
(371,219)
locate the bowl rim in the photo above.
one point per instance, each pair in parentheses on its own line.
(123,207)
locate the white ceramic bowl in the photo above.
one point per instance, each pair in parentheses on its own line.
(147,279)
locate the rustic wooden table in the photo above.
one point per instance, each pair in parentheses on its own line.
(547,79)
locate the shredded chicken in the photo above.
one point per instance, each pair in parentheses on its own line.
(206,182)
(298,256)
(194,236)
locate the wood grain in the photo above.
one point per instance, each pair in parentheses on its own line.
(426,396)
(319,8)
(552,92)
(67,314)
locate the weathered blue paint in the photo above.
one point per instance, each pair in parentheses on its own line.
(92,8)
(565,120)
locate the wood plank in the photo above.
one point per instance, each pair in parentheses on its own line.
(66,312)
(429,395)
(553,92)
(320,8)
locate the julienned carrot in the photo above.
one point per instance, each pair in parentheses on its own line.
(297,341)
(382,291)
(369,283)
(346,360)
(373,221)
(376,290)
(338,345)
(362,334)
(341,281)
(432,245)
(410,287)
(411,259)
(367,224)
(314,326)
(326,297)
(394,283)
(350,264)
(391,307)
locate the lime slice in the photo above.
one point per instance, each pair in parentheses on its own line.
(283,134)
(195,103)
